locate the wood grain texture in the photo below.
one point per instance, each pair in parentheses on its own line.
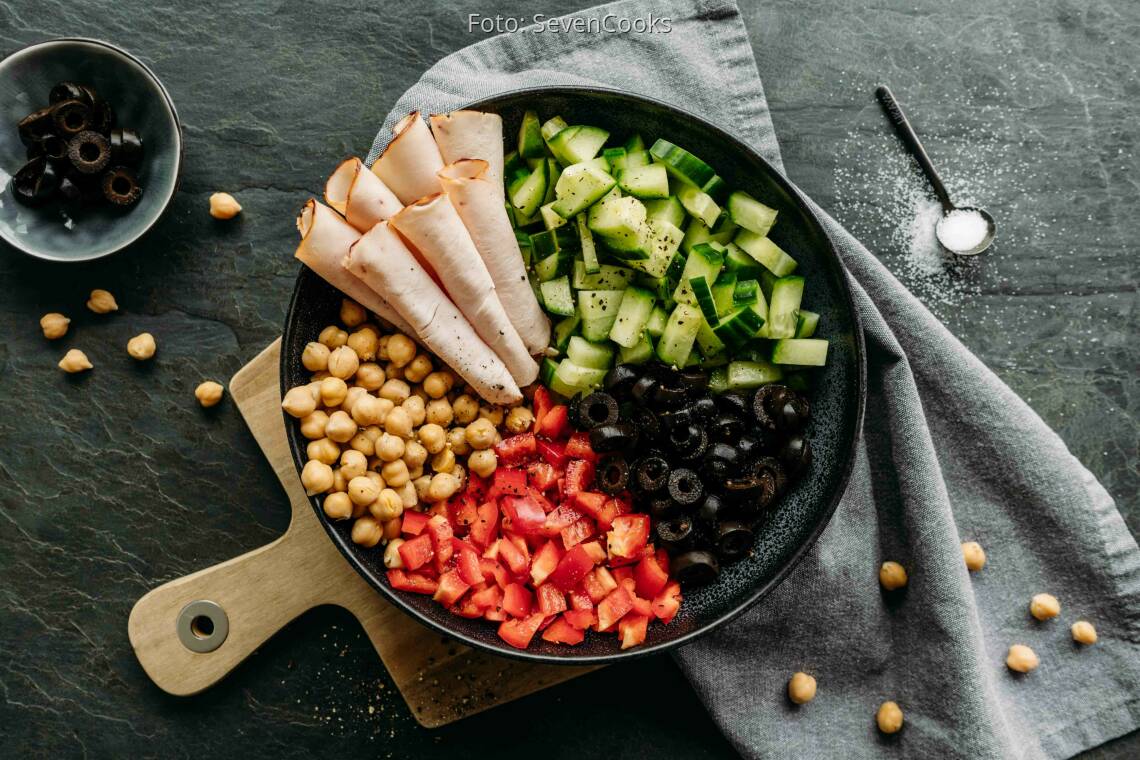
(263,590)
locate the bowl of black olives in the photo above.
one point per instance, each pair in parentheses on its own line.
(90,149)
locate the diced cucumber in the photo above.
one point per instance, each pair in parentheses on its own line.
(724,231)
(630,248)
(718,380)
(633,314)
(667,210)
(672,279)
(738,328)
(527,195)
(514,168)
(589,355)
(552,127)
(560,239)
(531,144)
(656,324)
(599,328)
(743,375)
(582,144)
(553,172)
(579,187)
(564,330)
(596,304)
(546,370)
(534,163)
(705,261)
(615,157)
(736,260)
(557,296)
(767,280)
(682,164)
(553,266)
(695,234)
(766,252)
(645,182)
(589,250)
(784,307)
(722,291)
(525,246)
(637,159)
(676,341)
(639,354)
(750,213)
(699,204)
(571,376)
(716,188)
(608,277)
(703,293)
(550,218)
(634,144)
(511,214)
(708,341)
(806,323)
(661,246)
(806,352)
(619,218)
(597,162)
(745,292)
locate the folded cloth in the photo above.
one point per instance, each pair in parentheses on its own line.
(950,454)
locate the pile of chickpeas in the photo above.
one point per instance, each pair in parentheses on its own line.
(388,429)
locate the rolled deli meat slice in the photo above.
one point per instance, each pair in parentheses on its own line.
(409,164)
(360,196)
(472,134)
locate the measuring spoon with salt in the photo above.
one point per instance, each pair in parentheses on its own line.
(965,231)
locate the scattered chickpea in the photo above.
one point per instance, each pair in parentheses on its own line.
(493,414)
(316,477)
(415,472)
(801,688)
(340,481)
(353,464)
(421,485)
(367,532)
(415,455)
(224,206)
(519,419)
(54,325)
(889,718)
(333,337)
(396,391)
(392,558)
(390,447)
(341,427)
(483,463)
(362,443)
(414,406)
(352,314)
(436,385)
(466,409)
(102,302)
(363,490)
(299,402)
(398,423)
(401,349)
(313,425)
(354,394)
(370,376)
(395,473)
(444,461)
(209,393)
(368,410)
(76,361)
(375,478)
(1083,632)
(457,440)
(440,412)
(392,372)
(418,368)
(364,342)
(442,487)
(1044,607)
(338,506)
(480,434)
(323,450)
(343,362)
(333,391)
(408,495)
(142,346)
(433,437)
(392,529)
(893,576)
(974,555)
(315,357)
(1021,659)
(388,506)
(382,348)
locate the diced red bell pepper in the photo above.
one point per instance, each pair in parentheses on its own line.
(518,633)
(497,614)
(628,536)
(492,596)
(572,535)
(542,404)
(486,526)
(439,508)
(493,572)
(413,522)
(554,424)
(553,454)
(477,487)
(599,583)
(544,562)
(662,560)
(462,511)
(642,606)
(439,528)
(562,632)
(581,619)
(632,629)
(597,506)
(516,449)
(416,552)
(466,608)
(551,601)
(524,512)
(623,574)
(572,568)
(562,517)
(596,551)
(579,477)
(517,600)
(611,609)
(516,559)
(580,600)
(578,447)
(650,577)
(467,562)
(666,604)
(451,587)
(507,481)
(542,475)
(414,582)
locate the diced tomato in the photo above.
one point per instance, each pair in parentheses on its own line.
(562,632)
(516,559)
(551,601)
(554,424)
(544,562)
(628,536)
(462,511)
(580,600)
(414,582)
(542,475)
(467,562)
(486,526)
(451,587)
(596,551)
(507,481)
(553,454)
(580,619)
(642,606)
(524,512)
(416,552)
(578,447)
(413,522)
(518,633)
(574,534)
(562,517)
(632,629)
(579,477)
(666,604)
(492,596)
(650,577)
(517,600)
(516,449)
(542,404)
(571,569)
(611,609)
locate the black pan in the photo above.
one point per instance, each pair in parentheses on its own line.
(837,396)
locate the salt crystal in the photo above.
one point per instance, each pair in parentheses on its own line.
(963,230)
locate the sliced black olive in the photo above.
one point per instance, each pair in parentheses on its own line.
(70,117)
(711,510)
(749,447)
(758,490)
(684,436)
(685,487)
(735,402)
(675,418)
(612,474)
(696,567)
(670,395)
(126,147)
(103,118)
(35,182)
(675,533)
(646,422)
(55,148)
(694,379)
(796,455)
(121,187)
(598,409)
(643,388)
(89,152)
(764,404)
(793,413)
(650,474)
(71,91)
(733,540)
(81,188)
(620,379)
(703,409)
(608,438)
(726,427)
(721,462)
(699,447)
(770,466)
(662,508)
(35,126)
(572,412)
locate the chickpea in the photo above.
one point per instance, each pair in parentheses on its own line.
(442,487)
(368,410)
(444,461)
(338,506)
(388,506)
(974,555)
(392,372)
(401,349)
(1021,659)
(421,485)
(892,575)
(801,688)
(141,347)
(224,206)
(382,348)
(318,376)
(76,361)
(102,302)
(313,425)
(390,447)
(362,443)
(433,437)
(209,393)
(396,391)
(354,394)
(315,357)
(418,368)
(519,419)
(364,342)
(457,441)
(889,718)
(343,362)
(340,482)
(414,406)
(333,337)
(333,391)
(323,450)
(460,472)
(54,325)
(341,427)
(398,423)
(392,529)
(363,490)
(370,376)
(466,409)
(492,413)
(415,472)
(395,473)
(1083,632)
(480,434)
(316,477)
(299,402)
(440,412)
(377,479)
(483,463)
(353,464)
(414,454)
(352,314)
(373,432)
(392,558)
(358,510)
(436,385)
(1044,607)
(409,497)
(366,532)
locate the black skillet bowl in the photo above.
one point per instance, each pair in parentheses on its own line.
(837,397)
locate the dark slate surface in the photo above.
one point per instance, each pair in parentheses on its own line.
(116,481)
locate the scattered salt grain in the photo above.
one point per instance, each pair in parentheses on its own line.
(963,230)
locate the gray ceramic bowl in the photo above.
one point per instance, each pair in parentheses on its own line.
(61,233)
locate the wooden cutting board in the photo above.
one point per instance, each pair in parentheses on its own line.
(225,612)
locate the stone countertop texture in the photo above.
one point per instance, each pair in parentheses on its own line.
(115,481)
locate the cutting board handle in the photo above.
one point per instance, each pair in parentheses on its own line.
(189,633)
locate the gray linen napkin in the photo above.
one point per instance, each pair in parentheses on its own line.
(948,454)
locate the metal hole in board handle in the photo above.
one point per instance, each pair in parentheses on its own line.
(202,626)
